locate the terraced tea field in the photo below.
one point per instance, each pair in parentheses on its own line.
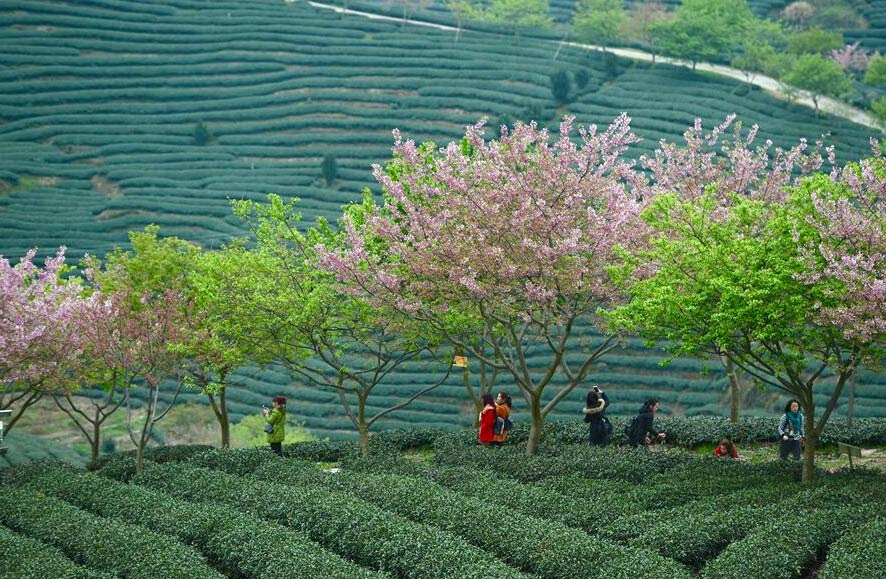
(573,512)
(103,105)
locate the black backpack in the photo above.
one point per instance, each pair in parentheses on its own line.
(631,428)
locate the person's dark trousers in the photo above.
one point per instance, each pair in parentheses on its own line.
(790,447)
(277,447)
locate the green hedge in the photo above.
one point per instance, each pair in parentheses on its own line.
(544,547)
(101,544)
(238,544)
(799,530)
(860,554)
(25,558)
(344,524)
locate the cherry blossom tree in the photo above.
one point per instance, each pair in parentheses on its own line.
(743,262)
(503,246)
(850,215)
(37,345)
(146,325)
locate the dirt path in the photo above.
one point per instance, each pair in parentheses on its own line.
(825,104)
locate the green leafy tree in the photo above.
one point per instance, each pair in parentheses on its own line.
(814,41)
(640,25)
(291,310)
(819,76)
(879,109)
(598,21)
(329,169)
(517,14)
(139,338)
(772,271)
(876,72)
(704,30)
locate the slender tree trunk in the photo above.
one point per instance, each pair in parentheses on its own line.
(362,427)
(224,422)
(95,441)
(536,426)
(735,388)
(810,441)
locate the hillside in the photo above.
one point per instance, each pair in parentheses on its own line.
(115,114)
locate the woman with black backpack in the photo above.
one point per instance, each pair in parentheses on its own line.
(641,428)
(595,415)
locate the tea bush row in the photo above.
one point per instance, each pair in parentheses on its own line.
(98,543)
(343,524)
(788,545)
(543,547)
(25,558)
(239,544)
(860,554)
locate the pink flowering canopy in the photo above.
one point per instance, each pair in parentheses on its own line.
(36,309)
(524,226)
(850,215)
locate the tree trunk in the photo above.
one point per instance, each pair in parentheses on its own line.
(811,441)
(96,438)
(536,427)
(362,427)
(735,388)
(850,408)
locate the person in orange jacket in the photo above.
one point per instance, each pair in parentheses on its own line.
(503,422)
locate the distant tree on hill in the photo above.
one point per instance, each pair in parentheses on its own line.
(329,169)
(517,14)
(561,86)
(878,107)
(640,23)
(876,72)
(819,76)
(582,78)
(851,58)
(598,21)
(704,30)
(814,41)
(202,136)
(798,15)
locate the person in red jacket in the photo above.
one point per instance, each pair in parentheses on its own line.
(487,420)
(727,448)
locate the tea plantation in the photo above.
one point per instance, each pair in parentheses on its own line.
(115,114)
(463,511)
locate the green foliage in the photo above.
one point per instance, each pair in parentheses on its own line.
(858,554)
(110,545)
(344,524)
(26,558)
(329,169)
(202,136)
(876,72)
(704,29)
(547,548)
(814,41)
(598,21)
(519,13)
(238,544)
(818,75)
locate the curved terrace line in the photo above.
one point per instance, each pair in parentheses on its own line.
(825,104)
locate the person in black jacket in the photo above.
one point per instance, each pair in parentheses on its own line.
(595,416)
(644,431)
